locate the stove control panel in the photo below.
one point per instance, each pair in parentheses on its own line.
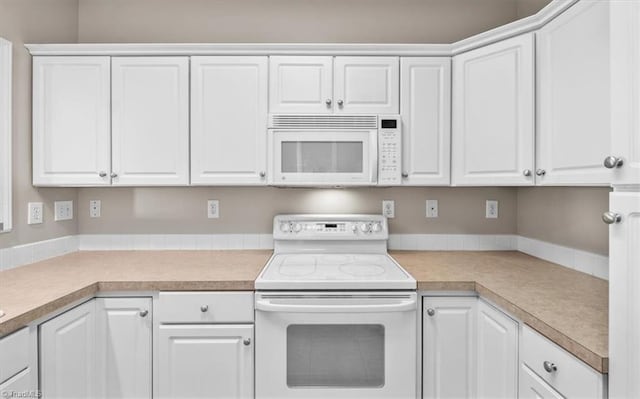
(317,227)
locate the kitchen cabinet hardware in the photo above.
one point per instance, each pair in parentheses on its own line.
(262,174)
(541,172)
(204,308)
(431,312)
(549,367)
(328,102)
(612,162)
(340,103)
(611,217)
(247,342)
(102,173)
(526,172)
(114,175)
(405,175)
(144,313)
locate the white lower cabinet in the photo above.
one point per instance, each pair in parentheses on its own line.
(206,361)
(18,363)
(534,387)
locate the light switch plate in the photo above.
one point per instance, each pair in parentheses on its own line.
(35,214)
(389,208)
(63,210)
(432,208)
(213,209)
(492,209)
(95,208)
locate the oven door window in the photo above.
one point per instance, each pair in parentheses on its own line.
(335,356)
(322,157)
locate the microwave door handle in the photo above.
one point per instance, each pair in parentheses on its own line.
(403,306)
(373,157)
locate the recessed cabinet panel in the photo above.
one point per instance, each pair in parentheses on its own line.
(229,120)
(534,387)
(425,109)
(300,84)
(367,85)
(71,121)
(493,105)
(574,128)
(150,137)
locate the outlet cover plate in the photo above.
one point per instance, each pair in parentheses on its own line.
(63,210)
(35,216)
(492,209)
(213,209)
(389,208)
(432,208)
(95,208)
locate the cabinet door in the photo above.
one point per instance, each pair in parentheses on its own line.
(493,108)
(21,382)
(367,85)
(497,354)
(123,347)
(150,121)
(229,120)
(624,296)
(426,113)
(300,84)
(533,387)
(67,354)
(573,85)
(625,90)
(449,347)
(71,121)
(206,361)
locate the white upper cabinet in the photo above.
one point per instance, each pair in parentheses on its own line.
(366,85)
(625,91)
(319,84)
(425,84)
(300,84)
(71,121)
(150,137)
(573,136)
(493,114)
(229,120)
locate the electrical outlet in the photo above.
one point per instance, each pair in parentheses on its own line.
(389,208)
(492,209)
(432,208)
(63,210)
(94,208)
(213,209)
(35,215)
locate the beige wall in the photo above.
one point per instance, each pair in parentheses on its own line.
(251,210)
(569,216)
(25,21)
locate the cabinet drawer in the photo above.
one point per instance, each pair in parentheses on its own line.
(572,377)
(205,307)
(14,354)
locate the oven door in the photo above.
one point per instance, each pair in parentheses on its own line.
(308,157)
(336,345)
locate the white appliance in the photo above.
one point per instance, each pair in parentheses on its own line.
(334,150)
(335,314)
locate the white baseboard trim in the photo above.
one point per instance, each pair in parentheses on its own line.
(585,262)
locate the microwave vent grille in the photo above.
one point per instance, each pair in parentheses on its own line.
(301,121)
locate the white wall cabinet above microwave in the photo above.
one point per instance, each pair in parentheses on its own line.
(325,84)
(120,121)
(493,114)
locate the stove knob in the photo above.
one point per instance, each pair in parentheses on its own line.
(284,227)
(297,227)
(376,228)
(364,227)
(354,228)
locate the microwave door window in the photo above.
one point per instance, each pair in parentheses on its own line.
(322,157)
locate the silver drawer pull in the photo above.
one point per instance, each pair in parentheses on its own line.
(611,217)
(431,312)
(204,308)
(144,313)
(612,162)
(247,342)
(549,367)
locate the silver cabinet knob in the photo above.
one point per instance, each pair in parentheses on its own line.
(549,367)
(526,172)
(262,174)
(405,175)
(612,162)
(340,103)
(114,175)
(102,173)
(431,312)
(328,102)
(204,308)
(611,217)
(541,172)
(247,342)
(144,313)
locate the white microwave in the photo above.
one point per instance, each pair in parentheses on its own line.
(334,150)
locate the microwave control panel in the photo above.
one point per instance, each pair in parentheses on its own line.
(389,150)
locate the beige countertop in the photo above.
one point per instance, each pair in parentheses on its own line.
(569,307)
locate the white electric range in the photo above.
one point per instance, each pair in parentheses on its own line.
(335,314)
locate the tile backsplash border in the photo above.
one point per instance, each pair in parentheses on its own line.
(585,262)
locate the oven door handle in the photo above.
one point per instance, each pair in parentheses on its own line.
(403,306)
